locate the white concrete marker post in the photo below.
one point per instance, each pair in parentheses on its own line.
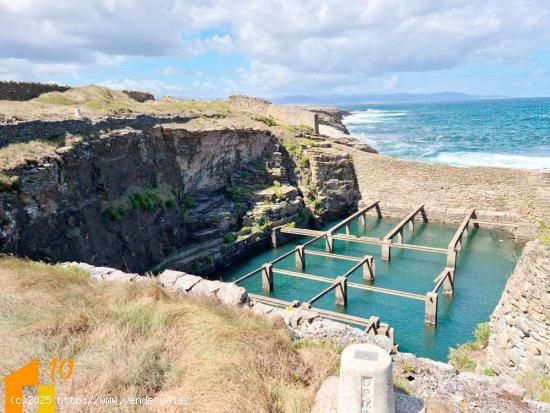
(366,384)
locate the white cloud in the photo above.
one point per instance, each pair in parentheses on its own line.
(172,71)
(291,44)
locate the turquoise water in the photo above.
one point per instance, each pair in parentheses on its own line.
(483,267)
(508,132)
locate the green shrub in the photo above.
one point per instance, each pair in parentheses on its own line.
(189,203)
(72,233)
(489,372)
(115,213)
(9,183)
(229,238)
(318,204)
(269,121)
(544,235)
(459,358)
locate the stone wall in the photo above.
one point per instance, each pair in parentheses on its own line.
(287,114)
(41,129)
(498,194)
(520,324)
(10,90)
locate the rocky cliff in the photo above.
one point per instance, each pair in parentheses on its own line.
(519,344)
(192,195)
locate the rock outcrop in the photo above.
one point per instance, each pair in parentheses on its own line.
(519,343)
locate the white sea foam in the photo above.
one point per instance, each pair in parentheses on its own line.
(372,116)
(492,159)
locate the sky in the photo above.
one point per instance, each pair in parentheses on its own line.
(273,48)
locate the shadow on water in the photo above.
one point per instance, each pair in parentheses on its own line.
(482,270)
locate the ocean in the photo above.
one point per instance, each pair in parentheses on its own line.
(506,132)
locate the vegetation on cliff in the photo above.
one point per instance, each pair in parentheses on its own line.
(135,340)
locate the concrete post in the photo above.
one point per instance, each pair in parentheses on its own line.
(329,243)
(368,268)
(451,259)
(342,291)
(267,277)
(411,225)
(378,211)
(348,230)
(459,244)
(365,384)
(449,283)
(400,236)
(430,316)
(300,257)
(386,250)
(274,236)
(362,220)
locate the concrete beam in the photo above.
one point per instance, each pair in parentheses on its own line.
(274,236)
(386,250)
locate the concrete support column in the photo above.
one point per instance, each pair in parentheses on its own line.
(363,220)
(366,384)
(400,236)
(378,211)
(274,237)
(449,283)
(300,257)
(459,244)
(430,312)
(368,268)
(341,291)
(267,277)
(451,259)
(411,225)
(348,230)
(329,243)
(386,250)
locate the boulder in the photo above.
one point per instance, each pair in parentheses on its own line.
(206,287)
(169,277)
(232,294)
(186,282)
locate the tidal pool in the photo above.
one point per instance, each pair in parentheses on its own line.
(486,261)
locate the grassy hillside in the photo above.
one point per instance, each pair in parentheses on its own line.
(134,340)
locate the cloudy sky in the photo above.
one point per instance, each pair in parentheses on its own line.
(270,48)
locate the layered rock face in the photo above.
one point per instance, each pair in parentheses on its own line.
(520,325)
(125,199)
(333,184)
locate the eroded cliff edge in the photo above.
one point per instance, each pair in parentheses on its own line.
(193,195)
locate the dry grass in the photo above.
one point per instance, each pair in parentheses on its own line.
(134,340)
(537,383)
(17,154)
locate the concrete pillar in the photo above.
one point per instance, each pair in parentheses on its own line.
(386,250)
(411,225)
(451,259)
(366,382)
(267,277)
(300,256)
(459,244)
(341,291)
(465,233)
(348,230)
(274,236)
(449,283)
(400,236)
(430,315)
(329,243)
(424,216)
(378,211)
(363,220)
(368,268)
